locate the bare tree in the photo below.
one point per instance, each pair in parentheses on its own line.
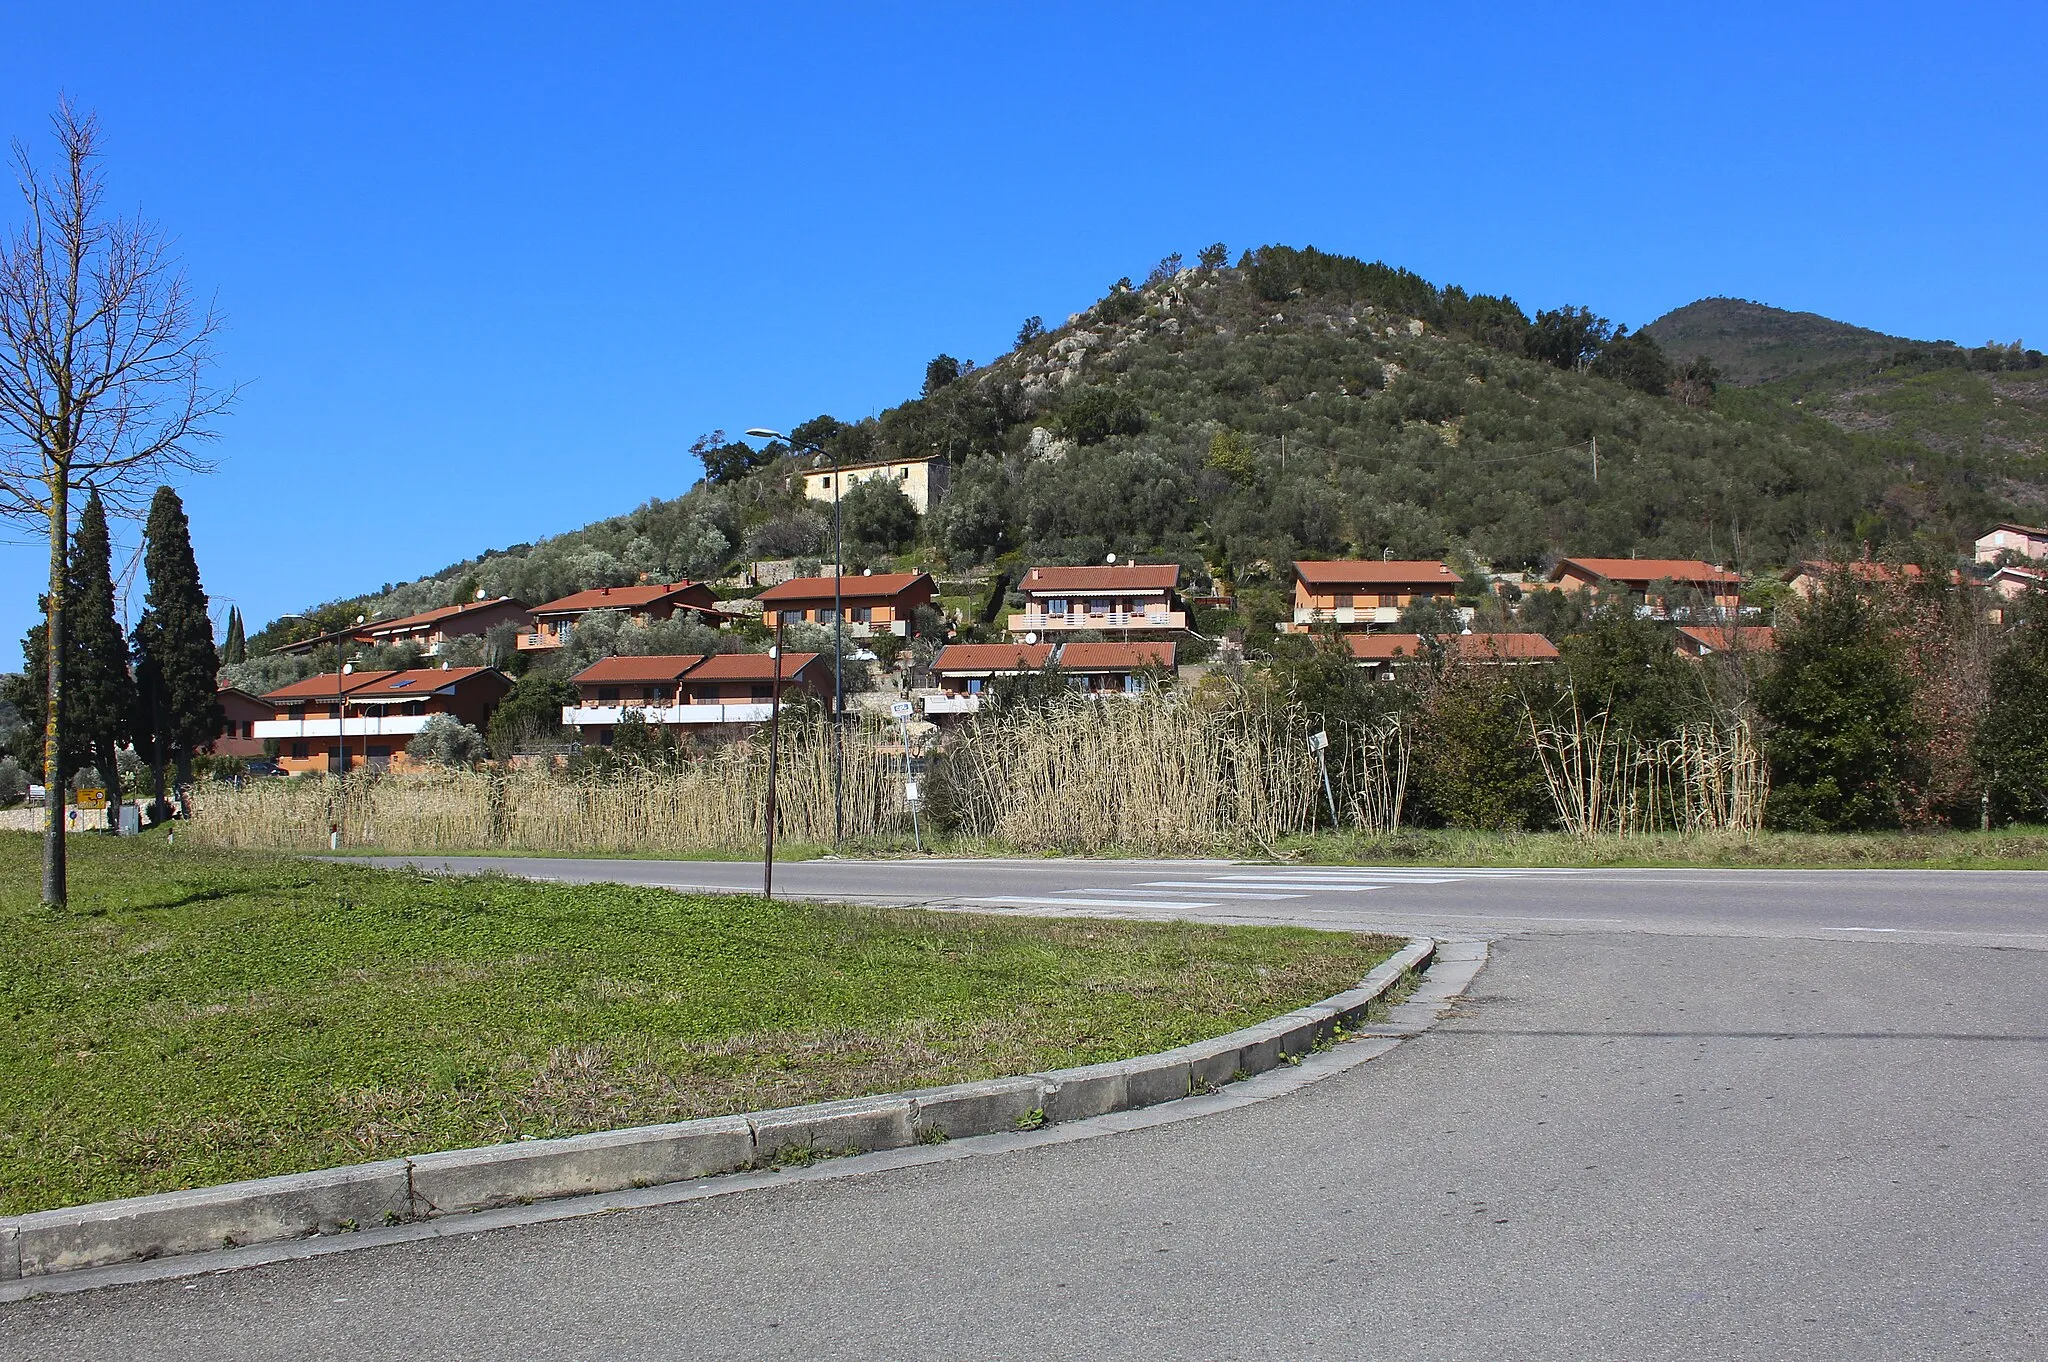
(103,357)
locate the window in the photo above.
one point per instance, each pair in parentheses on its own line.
(1389,602)
(1099,606)
(1133,684)
(1055,607)
(974,684)
(903,475)
(827,616)
(299,752)
(860,614)
(763,694)
(607,695)
(1345,600)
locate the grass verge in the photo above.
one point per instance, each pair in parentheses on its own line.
(200,1016)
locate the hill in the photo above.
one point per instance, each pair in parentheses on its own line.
(1750,343)
(1298,403)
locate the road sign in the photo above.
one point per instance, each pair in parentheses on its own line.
(901,709)
(1318,741)
(91,797)
(910,795)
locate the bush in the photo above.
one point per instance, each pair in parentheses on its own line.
(877,517)
(531,712)
(1095,414)
(447,741)
(1843,747)
(1474,762)
(13,781)
(2011,748)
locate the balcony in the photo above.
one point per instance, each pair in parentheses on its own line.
(538,642)
(951,704)
(1148,618)
(360,726)
(1308,617)
(667,716)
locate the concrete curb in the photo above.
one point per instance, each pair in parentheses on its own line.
(338,1201)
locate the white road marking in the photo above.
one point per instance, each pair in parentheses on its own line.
(1862,929)
(1091,903)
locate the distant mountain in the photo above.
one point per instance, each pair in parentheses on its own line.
(1751,344)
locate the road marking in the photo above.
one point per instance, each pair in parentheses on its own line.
(1090,903)
(1862,929)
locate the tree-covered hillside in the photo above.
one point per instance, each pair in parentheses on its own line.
(1750,343)
(1296,403)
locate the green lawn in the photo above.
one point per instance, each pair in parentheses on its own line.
(198,1016)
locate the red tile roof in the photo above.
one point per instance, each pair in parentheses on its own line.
(631,670)
(1640,572)
(749,667)
(437,616)
(1385,647)
(992,657)
(1503,648)
(1147,577)
(1090,657)
(419,681)
(863,588)
(624,597)
(1368,572)
(1720,638)
(323,686)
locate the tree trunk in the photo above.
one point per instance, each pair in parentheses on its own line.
(56,893)
(107,756)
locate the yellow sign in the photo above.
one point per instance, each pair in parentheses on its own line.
(91,797)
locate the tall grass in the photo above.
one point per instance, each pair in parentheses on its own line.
(1711,779)
(1165,773)
(713,802)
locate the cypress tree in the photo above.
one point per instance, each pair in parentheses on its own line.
(180,703)
(100,694)
(236,648)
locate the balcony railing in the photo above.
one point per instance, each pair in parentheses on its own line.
(605,716)
(1340,615)
(951,704)
(1115,619)
(358,726)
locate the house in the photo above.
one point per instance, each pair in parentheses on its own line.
(689,691)
(1807,578)
(238,735)
(2011,583)
(1380,654)
(643,604)
(1130,596)
(1114,668)
(1705,640)
(372,715)
(431,628)
(962,671)
(2024,540)
(1364,593)
(875,603)
(921,480)
(1641,577)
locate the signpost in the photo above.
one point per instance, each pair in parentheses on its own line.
(1319,743)
(91,797)
(902,710)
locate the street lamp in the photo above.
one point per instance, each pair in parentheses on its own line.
(838,632)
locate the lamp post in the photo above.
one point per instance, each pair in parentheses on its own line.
(838,633)
(774,746)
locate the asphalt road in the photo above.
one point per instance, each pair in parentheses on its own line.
(1679,1115)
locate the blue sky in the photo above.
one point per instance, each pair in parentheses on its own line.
(488,270)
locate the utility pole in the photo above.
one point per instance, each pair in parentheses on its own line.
(1596,458)
(774,746)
